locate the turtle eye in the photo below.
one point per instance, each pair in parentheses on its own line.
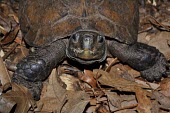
(75,38)
(100,39)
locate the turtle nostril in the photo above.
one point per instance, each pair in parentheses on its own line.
(87,39)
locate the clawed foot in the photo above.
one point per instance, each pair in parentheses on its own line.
(30,73)
(33,87)
(157,71)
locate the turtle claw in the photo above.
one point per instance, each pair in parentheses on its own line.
(167,72)
(157,71)
(33,87)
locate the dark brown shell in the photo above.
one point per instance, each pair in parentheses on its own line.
(44,21)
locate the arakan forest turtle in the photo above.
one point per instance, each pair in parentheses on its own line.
(84,31)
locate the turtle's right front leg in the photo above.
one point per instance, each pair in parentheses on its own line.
(37,66)
(151,63)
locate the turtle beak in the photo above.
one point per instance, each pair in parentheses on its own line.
(86,54)
(87,47)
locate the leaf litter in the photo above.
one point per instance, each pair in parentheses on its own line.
(112,87)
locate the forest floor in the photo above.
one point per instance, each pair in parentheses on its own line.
(114,87)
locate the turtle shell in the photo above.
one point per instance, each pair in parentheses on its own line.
(44,21)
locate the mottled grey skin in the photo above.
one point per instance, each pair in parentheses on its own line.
(85,31)
(142,57)
(37,66)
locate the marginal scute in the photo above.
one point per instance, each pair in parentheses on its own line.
(44,21)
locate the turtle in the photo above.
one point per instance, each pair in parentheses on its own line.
(86,32)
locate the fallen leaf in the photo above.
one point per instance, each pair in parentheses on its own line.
(111,62)
(119,83)
(165,87)
(157,24)
(160,42)
(102,109)
(77,101)
(1,53)
(57,99)
(88,77)
(152,85)
(114,99)
(155,107)
(20,53)
(162,99)
(144,103)
(126,111)
(6,105)
(21,97)
(72,83)
(10,36)
(4,75)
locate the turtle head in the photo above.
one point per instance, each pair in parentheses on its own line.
(86,47)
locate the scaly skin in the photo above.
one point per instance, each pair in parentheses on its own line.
(144,58)
(36,67)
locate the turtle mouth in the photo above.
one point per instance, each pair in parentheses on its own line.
(86,47)
(85,56)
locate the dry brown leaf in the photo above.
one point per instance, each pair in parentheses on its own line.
(71,82)
(21,52)
(119,83)
(162,99)
(2,30)
(124,71)
(56,98)
(157,24)
(155,107)
(10,36)
(114,99)
(6,105)
(127,102)
(4,75)
(163,111)
(2,53)
(144,103)
(126,111)
(91,109)
(152,85)
(15,16)
(134,72)
(68,77)
(165,87)
(21,97)
(160,41)
(88,77)
(18,40)
(5,20)
(102,109)
(5,9)
(111,62)
(48,104)
(76,103)
(52,94)
(117,70)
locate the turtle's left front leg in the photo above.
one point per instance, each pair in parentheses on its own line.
(37,66)
(144,58)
